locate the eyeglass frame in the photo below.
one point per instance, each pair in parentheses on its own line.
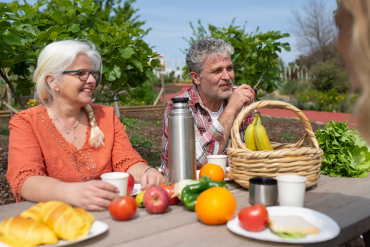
(89,73)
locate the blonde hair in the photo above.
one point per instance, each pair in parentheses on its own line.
(53,60)
(359,51)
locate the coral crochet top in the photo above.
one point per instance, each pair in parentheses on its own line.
(37,148)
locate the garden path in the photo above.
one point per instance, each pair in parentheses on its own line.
(314,116)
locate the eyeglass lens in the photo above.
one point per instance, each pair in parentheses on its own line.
(84,74)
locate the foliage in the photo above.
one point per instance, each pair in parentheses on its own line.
(143,95)
(345,152)
(133,125)
(255,55)
(291,87)
(327,101)
(27,29)
(330,75)
(4,130)
(288,137)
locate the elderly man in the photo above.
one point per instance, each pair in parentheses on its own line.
(213,100)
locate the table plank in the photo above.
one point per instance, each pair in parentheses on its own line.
(346,200)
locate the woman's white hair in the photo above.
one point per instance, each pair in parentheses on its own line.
(53,60)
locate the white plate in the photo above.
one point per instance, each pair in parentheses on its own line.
(329,229)
(226,179)
(97,228)
(136,189)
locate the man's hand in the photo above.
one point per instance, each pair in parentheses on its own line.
(241,96)
(92,195)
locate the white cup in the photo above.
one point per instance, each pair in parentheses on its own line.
(218,160)
(118,179)
(291,190)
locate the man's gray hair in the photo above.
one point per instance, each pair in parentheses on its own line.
(206,47)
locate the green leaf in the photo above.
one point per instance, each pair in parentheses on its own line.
(117,71)
(138,64)
(74,28)
(12,39)
(102,28)
(27,9)
(86,3)
(126,53)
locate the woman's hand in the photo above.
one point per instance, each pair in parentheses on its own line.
(93,195)
(152,177)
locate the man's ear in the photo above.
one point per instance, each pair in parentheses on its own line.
(50,79)
(195,77)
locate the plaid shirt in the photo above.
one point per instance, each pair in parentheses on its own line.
(208,134)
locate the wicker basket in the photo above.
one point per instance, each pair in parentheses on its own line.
(246,164)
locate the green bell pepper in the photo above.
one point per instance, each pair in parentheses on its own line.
(191,192)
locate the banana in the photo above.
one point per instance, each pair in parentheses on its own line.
(249,135)
(261,138)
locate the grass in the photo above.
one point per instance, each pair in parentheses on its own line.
(153,160)
(288,137)
(4,130)
(138,140)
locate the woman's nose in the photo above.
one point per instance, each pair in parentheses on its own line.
(90,79)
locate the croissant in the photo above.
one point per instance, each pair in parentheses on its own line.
(67,222)
(33,212)
(21,232)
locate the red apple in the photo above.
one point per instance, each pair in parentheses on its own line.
(156,200)
(169,187)
(130,184)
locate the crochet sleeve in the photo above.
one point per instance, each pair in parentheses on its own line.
(25,158)
(123,155)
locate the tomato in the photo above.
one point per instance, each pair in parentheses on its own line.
(169,187)
(253,218)
(123,208)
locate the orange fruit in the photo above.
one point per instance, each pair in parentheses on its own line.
(214,171)
(215,206)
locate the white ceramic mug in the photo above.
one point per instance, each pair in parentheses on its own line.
(291,190)
(118,179)
(218,160)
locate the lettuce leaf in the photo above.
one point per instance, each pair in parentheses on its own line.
(292,235)
(346,153)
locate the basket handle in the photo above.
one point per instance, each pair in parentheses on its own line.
(236,142)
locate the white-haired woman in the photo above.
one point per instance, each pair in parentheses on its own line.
(59,149)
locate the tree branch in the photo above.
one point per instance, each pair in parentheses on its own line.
(119,89)
(15,95)
(7,105)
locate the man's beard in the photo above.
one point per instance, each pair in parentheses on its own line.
(212,91)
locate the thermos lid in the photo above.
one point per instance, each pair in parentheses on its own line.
(180,100)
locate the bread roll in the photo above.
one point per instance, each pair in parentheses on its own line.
(21,232)
(33,212)
(67,222)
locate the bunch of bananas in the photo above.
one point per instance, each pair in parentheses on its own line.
(256,138)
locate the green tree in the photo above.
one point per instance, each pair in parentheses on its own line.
(255,58)
(27,29)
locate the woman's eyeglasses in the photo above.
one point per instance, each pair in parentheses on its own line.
(83,74)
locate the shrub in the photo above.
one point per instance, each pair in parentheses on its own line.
(329,75)
(293,87)
(143,95)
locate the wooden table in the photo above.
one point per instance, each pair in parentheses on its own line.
(346,200)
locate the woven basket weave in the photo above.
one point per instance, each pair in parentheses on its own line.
(246,164)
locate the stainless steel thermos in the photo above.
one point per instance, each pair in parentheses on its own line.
(181,142)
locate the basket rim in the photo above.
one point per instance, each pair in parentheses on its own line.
(236,142)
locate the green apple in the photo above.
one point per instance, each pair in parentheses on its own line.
(139,199)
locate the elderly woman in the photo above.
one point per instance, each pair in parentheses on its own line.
(59,149)
(353,43)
